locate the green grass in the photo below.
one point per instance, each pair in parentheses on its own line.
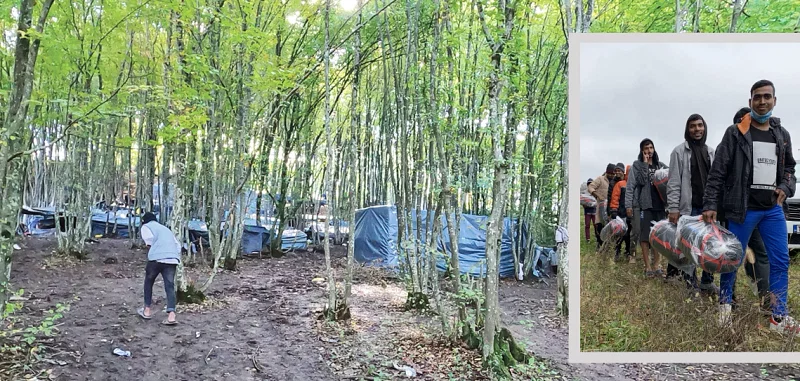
(623,311)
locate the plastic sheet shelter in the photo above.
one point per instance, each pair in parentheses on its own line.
(376,240)
(114,224)
(376,236)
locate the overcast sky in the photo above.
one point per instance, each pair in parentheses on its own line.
(632,91)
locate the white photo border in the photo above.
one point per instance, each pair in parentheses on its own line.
(576,40)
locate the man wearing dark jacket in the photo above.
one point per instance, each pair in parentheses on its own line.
(689,164)
(755,168)
(640,187)
(758,272)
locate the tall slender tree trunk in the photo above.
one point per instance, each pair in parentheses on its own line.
(15,137)
(502,147)
(737,12)
(330,308)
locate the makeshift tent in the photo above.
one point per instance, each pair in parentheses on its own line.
(110,224)
(256,238)
(198,232)
(376,236)
(39,221)
(376,233)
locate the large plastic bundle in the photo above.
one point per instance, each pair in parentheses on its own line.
(614,230)
(660,179)
(587,200)
(710,246)
(663,240)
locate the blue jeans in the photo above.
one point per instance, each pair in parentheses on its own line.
(167,272)
(772,226)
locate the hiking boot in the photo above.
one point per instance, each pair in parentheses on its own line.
(786,325)
(724,315)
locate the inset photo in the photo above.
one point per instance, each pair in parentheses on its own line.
(691,215)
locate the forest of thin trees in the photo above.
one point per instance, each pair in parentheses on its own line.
(455,107)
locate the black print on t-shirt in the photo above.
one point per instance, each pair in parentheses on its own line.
(765,170)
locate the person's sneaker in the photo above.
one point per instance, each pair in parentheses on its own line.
(786,325)
(631,259)
(724,315)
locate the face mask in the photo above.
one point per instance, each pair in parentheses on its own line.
(760,118)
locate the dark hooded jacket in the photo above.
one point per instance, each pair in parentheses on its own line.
(731,171)
(638,193)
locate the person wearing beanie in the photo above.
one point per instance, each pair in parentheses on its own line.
(599,190)
(588,214)
(162,258)
(689,164)
(755,167)
(640,188)
(619,174)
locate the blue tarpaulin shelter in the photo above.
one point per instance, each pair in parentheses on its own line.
(103,223)
(376,236)
(377,231)
(257,238)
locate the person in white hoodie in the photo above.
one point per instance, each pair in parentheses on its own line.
(163,258)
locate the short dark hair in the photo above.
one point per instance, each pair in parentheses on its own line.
(740,114)
(148,217)
(762,83)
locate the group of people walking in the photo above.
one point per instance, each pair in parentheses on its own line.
(743,185)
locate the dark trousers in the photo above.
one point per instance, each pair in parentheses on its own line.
(167,272)
(626,238)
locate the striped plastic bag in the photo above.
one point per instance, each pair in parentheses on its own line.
(588,201)
(710,246)
(614,230)
(663,240)
(660,179)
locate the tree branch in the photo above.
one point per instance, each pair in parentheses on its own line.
(486,32)
(70,125)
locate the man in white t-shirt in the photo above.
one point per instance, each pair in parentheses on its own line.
(752,175)
(163,258)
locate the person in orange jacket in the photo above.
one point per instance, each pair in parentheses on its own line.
(617,205)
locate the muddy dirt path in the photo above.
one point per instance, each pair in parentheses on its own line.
(260,324)
(261,312)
